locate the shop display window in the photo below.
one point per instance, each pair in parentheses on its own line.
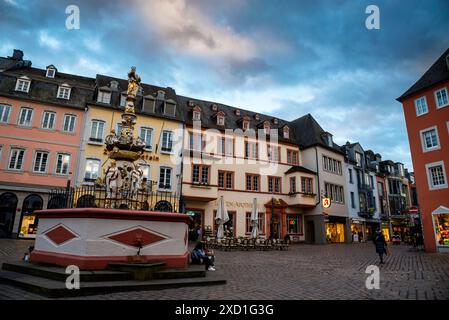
(335,232)
(442,229)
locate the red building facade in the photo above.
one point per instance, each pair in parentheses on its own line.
(426,110)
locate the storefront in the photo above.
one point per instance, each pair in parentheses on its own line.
(386,230)
(357,231)
(335,229)
(441,228)
(370,229)
(28,223)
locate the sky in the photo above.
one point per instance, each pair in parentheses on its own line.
(285,58)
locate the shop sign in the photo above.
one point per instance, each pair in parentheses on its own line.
(326,202)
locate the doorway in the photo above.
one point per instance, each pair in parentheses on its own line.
(28,224)
(310,232)
(8,206)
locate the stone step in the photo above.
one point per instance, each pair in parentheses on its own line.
(59,274)
(57,289)
(190,272)
(139,270)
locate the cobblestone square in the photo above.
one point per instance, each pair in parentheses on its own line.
(335,272)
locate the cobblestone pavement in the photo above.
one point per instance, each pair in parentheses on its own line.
(304,272)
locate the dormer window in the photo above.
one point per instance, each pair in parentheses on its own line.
(113,85)
(266,127)
(23,84)
(196,113)
(104,96)
(237,112)
(221,118)
(191,103)
(328,139)
(160,95)
(257,116)
(51,71)
(170,108)
(64,92)
(149,104)
(214,107)
(245,123)
(275,121)
(122,99)
(286,132)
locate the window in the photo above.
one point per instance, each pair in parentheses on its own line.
(352,200)
(92,169)
(62,163)
(252,182)
(251,150)
(371,182)
(292,184)
(23,85)
(245,125)
(274,184)
(421,106)
(335,192)
(441,98)
(149,104)
(69,123)
(170,109)
(48,120)
(146,174)
(225,146)
(123,100)
(286,133)
(306,185)
(220,120)
(25,117)
(16,159)
(146,134)
(273,153)
(96,132)
(260,223)
(4,113)
(292,157)
(196,115)
(165,178)
(196,141)
(436,175)
(50,73)
(350,176)
(429,139)
(200,174)
(358,159)
(225,180)
(293,224)
(266,127)
(64,92)
(332,165)
(104,96)
(167,141)
(40,161)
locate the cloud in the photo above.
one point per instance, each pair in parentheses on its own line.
(45,40)
(189,30)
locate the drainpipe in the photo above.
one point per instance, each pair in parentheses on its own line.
(318,178)
(182,208)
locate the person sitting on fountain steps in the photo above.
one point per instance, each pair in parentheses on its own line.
(202,256)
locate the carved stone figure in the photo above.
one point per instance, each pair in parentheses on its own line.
(112,176)
(136,179)
(133,83)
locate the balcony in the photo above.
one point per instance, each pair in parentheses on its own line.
(301,200)
(364,186)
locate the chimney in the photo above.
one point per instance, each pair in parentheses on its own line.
(17,55)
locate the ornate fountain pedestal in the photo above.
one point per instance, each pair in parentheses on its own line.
(90,238)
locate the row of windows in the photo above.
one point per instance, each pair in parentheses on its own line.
(93,166)
(332,165)
(16,161)
(441,100)
(201,175)
(225,146)
(145,133)
(335,192)
(48,121)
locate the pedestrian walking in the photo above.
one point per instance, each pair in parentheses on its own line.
(381,245)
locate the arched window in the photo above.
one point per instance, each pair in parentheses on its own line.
(28,225)
(86,201)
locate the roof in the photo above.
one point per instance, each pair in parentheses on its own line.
(437,73)
(299,169)
(148,91)
(232,120)
(309,133)
(44,89)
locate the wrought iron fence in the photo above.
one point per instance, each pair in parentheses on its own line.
(89,196)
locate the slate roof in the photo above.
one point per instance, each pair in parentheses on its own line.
(232,120)
(309,133)
(44,90)
(104,82)
(437,73)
